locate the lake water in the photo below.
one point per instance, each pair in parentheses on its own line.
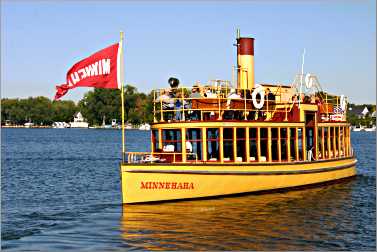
(61,191)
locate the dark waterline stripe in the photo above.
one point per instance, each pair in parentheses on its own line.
(207,163)
(341,167)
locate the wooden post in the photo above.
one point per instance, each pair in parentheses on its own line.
(288,144)
(183,118)
(269,143)
(316,136)
(204,142)
(122,92)
(160,138)
(296,143)
(183,133)
(303,143)
(244,97)
(334,141)
(152,143)
(258,144)
(338,139)
(161,113)
(234,144)
(328,142)
(247,142)
(343,143)
(323,142)
(221,144)
(279,145)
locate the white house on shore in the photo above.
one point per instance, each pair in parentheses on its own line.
(79,121)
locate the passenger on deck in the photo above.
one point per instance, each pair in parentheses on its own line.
(171,104)
(167,103)
(163,97)
(310,154)
(168,148)
(270,96)
(312,99)
(233,95)
(208,93)
(294,99)
(195,94)
(178,106)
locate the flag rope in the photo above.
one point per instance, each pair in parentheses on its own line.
(122,95)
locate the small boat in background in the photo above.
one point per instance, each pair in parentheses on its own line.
(371,129)
(357,129)
(79,121)
(145,126)
(60,125)
(28,124)
(128,126)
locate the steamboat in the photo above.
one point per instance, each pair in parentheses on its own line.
(231,137)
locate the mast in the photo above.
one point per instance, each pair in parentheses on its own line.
(302,76)
(122,91)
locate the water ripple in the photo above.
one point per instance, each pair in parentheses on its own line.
(60,191)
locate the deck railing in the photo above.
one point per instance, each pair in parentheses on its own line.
(180,105)
(158,157)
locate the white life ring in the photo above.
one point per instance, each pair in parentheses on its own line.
(343,102)
(258,90)
(308,81)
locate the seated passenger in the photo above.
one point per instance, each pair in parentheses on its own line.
(208,93)
(164,98)
(178,106)
(167,103)
(233,95)
(195,94)
(310,154)
(294,99)
(270,96)
(168,148)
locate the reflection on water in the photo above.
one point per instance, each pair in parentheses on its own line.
(302,219)
(61,191)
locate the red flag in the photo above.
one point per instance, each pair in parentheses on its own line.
(99,70)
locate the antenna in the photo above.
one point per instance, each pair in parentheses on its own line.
(302,76)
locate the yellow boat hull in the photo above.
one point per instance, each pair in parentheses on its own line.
(160,182)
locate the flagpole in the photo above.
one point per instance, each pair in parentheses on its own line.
(122,95)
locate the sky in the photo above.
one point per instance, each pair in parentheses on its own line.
(193,41)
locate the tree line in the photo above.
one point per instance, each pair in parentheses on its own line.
(96,105)
(100,105)
(355,118)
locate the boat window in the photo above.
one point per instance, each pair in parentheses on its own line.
(274,144)
(213,144)
(241,144)
(337,145)
(283,144)
(253,144)
(263,144)
(341,144)
(194,136)
(319,143)
(332,142)
(326,141)
(293,143)
(310,139)
(172,137)
(347,141)
(300,144)
(155,141)
(228,144)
